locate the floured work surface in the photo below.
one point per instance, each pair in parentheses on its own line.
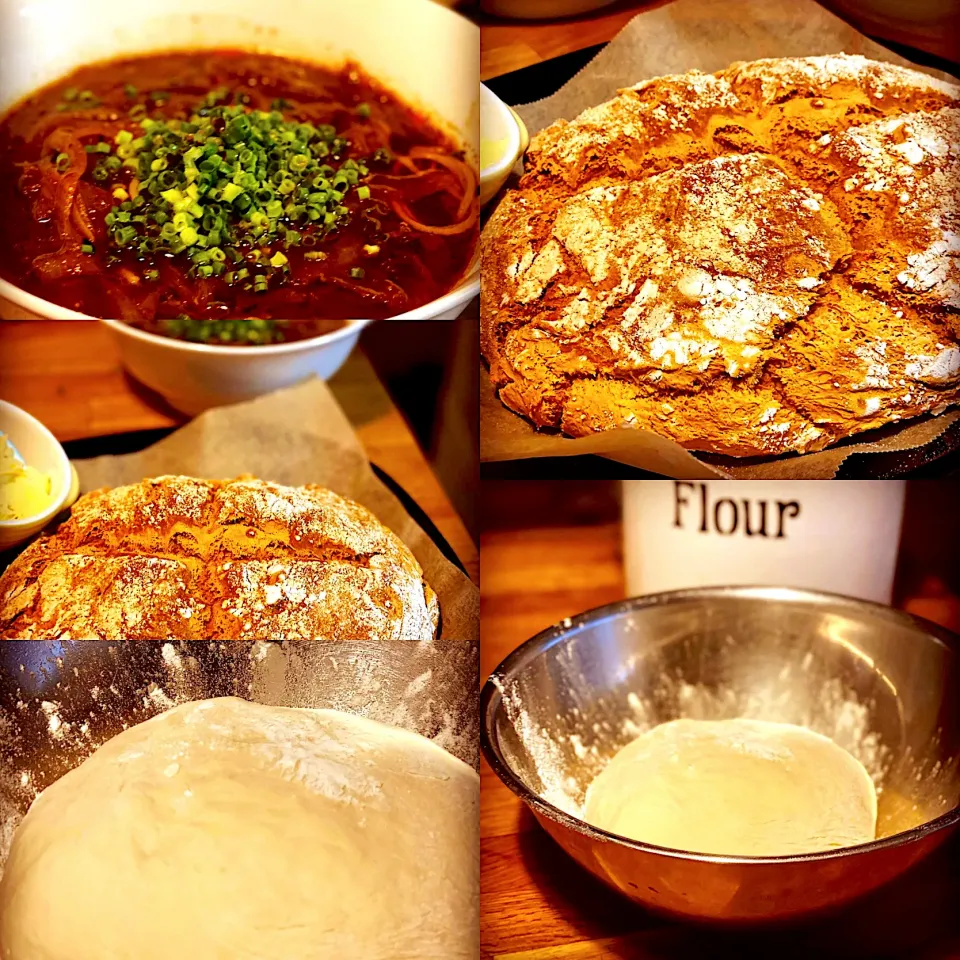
(297,437)
(751,263)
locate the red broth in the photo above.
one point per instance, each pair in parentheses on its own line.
(317,195)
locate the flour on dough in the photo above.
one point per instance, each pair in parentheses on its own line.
(227,830)
(736,787)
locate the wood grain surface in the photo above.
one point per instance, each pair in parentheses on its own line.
(68,375)
(536,903)
(507,45)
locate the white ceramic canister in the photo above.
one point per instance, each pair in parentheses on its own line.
(839,536)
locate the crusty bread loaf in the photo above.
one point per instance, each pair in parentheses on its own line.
(751,262)
(178,558)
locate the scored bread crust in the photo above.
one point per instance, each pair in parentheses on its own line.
(184,559)
(752,262)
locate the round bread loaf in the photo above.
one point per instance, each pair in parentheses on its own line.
(751,262)
(183,559)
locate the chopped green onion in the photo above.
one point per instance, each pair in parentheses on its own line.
(230,184)
(253,331)
(358,273)
(74,99)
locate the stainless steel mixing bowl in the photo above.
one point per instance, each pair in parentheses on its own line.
(59,701)
(882,684)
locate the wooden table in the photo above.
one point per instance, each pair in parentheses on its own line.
(68,375)
(508,45)
(537,904)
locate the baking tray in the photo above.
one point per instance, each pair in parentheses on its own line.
(940,458)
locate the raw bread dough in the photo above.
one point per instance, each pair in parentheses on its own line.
(736,787)
(227,830)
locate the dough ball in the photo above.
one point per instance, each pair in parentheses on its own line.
(735,787)
(226,830)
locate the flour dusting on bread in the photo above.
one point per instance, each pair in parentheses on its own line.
(752,262)
(176,558)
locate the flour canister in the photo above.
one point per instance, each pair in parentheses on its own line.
(839,536)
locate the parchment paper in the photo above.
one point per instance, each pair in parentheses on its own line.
(707,35)
(295,436)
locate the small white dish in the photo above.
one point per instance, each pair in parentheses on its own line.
(39,448)
(503,140)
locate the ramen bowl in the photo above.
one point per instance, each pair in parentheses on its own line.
(424,53)
(193,377)
(882,684)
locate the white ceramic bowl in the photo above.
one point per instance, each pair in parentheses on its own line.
(427,54)
(39,448)
(503,138)
(193,377)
